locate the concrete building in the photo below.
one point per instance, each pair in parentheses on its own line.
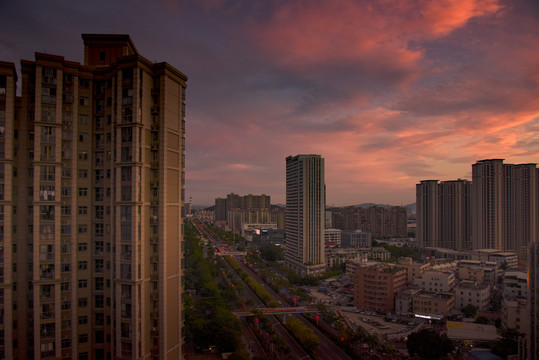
(433,305)
(356,238)
(470,292)
(515,284)
(505,259)
(305,212)
(504,205)
(249,231)
(332,236)
(381,222)
(436,281)
(413,269)
(515,314)
(444,214)
(375,286)
(92,160)
(249,206)
(338,256)
(533,301)
(478,271)
(404,300)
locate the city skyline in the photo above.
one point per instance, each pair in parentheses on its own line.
(388,95)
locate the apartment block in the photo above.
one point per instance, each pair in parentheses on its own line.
(332,237)
(375,286)
(472,293)
(433,305)
(381,222)
(356,238)
(91,194)
(305,214)
(444,214)
(436,281)
(505,202)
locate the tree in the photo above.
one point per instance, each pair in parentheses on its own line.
(508,344)
(469,311)
(428,345)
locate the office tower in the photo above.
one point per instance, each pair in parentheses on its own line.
(305,210)
(92,194)
(504,205)
(533,301)
(427,203)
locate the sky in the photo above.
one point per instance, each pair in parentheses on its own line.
(389,92)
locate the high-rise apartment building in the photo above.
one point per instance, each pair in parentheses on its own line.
(305,211)
(532,335)
(234,202)
(443,214)
(504,205)
(381,222)
(91,195)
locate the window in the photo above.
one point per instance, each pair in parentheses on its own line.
(126,174)
(84,119)
(65,210)
(99,175)
(83,338)
(83,229)
(83,155)
(83,247)
(83,101)
(99,211)
(65,286)
(83,191)
(83,173)
(83,302)
(99,283)
(98,265)
(83,210)
(83,283)
(46,173)
(65,268)
(83,265)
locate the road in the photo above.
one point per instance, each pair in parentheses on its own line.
(327,348)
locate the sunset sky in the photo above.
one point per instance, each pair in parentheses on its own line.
(388,92)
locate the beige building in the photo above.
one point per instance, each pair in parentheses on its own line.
(472,293)
(478,271)
(436,281)
(515,314)
(433,305)
(413,269)
(375,286)
(92,170)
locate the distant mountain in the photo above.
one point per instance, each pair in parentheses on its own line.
(410,208)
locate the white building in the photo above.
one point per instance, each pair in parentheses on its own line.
(332,236)
(515,284)
(356,238)
(469,292)
(436,281)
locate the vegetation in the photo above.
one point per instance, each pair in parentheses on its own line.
(428,345)
(508,344)
(271,252)
(302,333)
(208,317)
(404,251)
(469,311)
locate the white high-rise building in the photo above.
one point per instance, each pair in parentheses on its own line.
(305,210)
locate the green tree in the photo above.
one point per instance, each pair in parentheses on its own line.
(469,311)
(508,344)
(428,345)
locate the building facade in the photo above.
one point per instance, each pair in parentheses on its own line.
(381,222)
(504,205)
(92,174)
(470,292)
(444,214)
(375,286)
(533,302)
(305,212)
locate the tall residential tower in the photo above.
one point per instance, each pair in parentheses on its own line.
(91,194)
(305,213)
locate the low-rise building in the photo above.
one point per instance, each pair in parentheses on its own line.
(333,236)
(436,281)
(470,292)
(248,231)
(478,271)
(404,300)
(356,238)
(506,259)
(433,305)
(413,269)
(515,314)
(515,284)
(337,256)
(375,286)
